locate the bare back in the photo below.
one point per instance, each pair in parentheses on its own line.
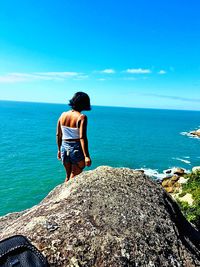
(70,118)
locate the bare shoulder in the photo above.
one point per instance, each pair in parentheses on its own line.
(64,114)
(83,117)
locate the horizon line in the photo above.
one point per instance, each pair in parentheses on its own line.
(53,103)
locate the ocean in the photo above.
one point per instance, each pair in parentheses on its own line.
(151,139)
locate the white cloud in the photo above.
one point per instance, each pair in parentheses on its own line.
(162,72)
(101,79)
(130,78)
(81,77)
(58,74)
(138,71)
(13,78)
(173,97)
(108,71)
(38,76)
(16,77)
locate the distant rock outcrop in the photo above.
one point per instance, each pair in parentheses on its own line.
(173,180)
(108,217)
(195,133)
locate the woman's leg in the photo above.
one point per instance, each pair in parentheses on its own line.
(77,168)
(68,169)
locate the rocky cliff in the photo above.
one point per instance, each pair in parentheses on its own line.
(108,217)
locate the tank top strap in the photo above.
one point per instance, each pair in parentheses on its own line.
(78,120)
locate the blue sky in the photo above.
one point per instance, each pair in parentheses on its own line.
(134,53)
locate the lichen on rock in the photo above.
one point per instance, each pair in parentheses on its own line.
(108,217)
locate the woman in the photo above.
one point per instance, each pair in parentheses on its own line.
(72,136)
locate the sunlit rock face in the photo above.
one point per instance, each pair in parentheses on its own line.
(195,133)
(108,217)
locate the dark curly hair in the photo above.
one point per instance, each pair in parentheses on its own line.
(80,101)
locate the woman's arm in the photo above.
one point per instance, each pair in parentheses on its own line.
(84,140)
(58,138)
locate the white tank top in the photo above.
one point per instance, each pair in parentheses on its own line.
(69,132)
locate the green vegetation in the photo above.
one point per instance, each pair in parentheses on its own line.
(182,194)
(192,212)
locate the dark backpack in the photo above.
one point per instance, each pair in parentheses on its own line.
(17,251)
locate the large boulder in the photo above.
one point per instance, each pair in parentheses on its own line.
(108,217)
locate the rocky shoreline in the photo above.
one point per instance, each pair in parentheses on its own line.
(108,217)
(184,188)
(174,180)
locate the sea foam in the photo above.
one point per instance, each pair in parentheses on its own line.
(183,160)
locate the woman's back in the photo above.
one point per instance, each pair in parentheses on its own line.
(70,119)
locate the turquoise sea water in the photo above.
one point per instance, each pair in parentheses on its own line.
(119,137)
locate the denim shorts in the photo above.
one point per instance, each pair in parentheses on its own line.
(71,152)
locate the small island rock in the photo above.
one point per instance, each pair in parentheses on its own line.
(195,133)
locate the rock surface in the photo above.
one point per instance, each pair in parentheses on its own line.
(196,169)
(108,217)
(172,182)
(195,133)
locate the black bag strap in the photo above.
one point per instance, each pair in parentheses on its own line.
(19,242)
(11,243)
